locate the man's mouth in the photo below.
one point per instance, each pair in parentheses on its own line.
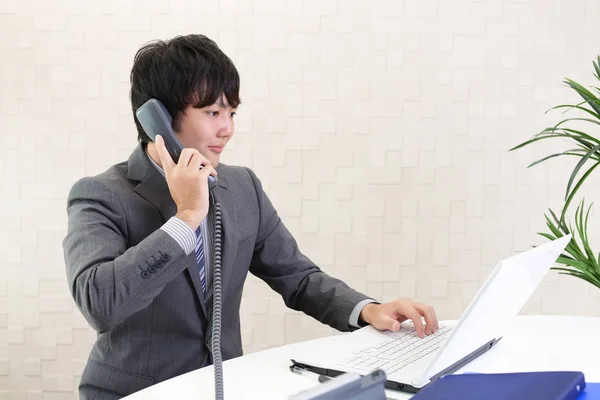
(216,149)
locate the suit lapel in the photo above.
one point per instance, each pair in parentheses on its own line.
(153,187)
(222,195)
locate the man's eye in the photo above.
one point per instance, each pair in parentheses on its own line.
(213,113)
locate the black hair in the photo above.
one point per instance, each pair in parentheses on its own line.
(184,71)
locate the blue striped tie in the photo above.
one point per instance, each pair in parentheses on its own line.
(200,259)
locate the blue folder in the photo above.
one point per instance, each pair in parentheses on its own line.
(550,385)
(591,392)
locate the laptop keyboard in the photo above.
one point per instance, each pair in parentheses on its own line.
(397,352)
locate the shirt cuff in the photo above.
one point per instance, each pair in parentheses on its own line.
(356,312)
(182,233)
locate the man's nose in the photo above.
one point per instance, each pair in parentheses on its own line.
(226,127)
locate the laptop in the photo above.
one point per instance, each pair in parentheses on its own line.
(411,363)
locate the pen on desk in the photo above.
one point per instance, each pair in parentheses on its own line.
(302,371)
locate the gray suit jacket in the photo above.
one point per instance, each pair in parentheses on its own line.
(154,326)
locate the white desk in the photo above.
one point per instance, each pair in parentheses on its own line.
(531,343)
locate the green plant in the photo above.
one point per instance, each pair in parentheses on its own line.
(578,261)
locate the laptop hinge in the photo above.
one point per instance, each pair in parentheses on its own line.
(465,360)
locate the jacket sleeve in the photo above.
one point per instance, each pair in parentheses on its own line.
(303,286)
(108,281)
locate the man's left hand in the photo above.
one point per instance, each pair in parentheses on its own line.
(389,316)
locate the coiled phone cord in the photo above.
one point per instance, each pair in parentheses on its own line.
(155,119)
(217,300)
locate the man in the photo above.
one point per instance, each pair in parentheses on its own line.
(139,241)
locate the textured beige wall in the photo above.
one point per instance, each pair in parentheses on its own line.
(379,128)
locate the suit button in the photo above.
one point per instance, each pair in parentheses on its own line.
(159,263)
(152,269)
(165,257)
(145,274)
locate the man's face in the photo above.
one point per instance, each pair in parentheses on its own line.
(207,129)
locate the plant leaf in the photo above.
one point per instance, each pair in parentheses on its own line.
(579,265)
(582,134)
(578,271)
(572,247)
(572,152)
(590,278)
(528,142)
(553,228)
(588,96)
(547,135)
(566,133)
(549,237)
(557,221)
(570,106)
(587,216)
(593,121)
(585,150)
(575,189)
(582,228)
(578,167)
(571,134)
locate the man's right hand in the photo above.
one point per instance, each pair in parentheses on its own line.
(187,183)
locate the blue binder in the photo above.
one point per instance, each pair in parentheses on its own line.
(550,385)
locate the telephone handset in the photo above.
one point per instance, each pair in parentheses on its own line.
(156,120)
